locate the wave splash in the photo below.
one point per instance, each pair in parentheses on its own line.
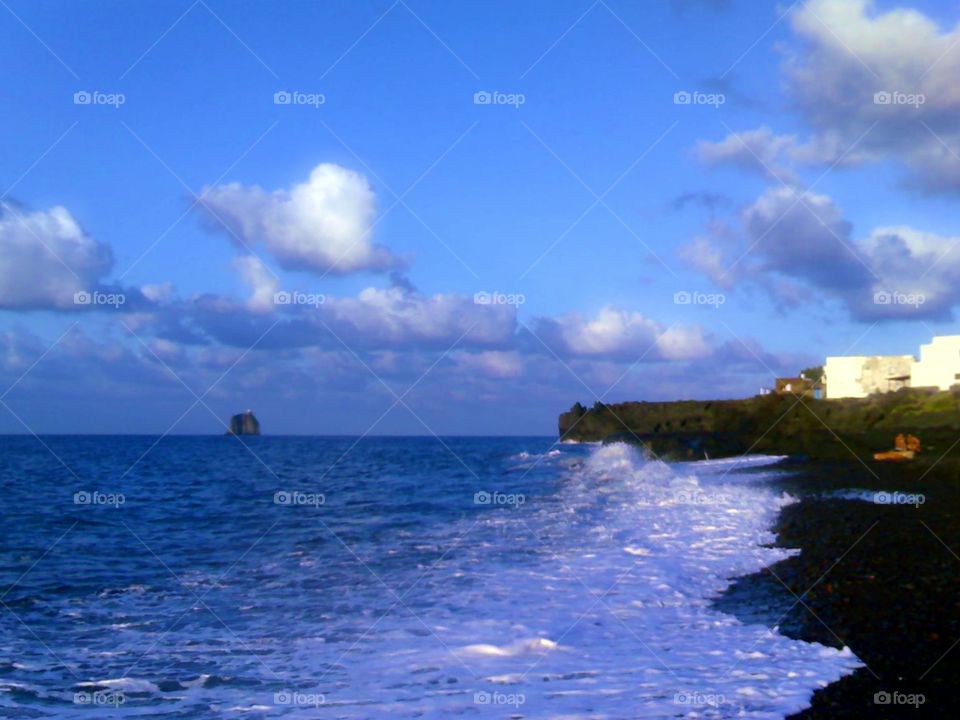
(623,597)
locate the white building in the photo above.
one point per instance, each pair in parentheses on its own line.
(857,376)
(939,363)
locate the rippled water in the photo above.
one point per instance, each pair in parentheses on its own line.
(308,577)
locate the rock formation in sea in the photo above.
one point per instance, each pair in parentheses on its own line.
(245,423)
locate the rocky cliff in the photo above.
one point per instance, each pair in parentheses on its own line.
(245,423)
(775,424)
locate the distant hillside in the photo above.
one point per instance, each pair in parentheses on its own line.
(781,424)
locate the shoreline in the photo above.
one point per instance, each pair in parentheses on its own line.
(770,424)
(881,579)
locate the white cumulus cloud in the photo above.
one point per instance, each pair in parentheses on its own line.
(263,283)
(615,333)
(398,316)
(46,257)
(323,224)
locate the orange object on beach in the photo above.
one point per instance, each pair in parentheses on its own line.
(894,455)
(904,448)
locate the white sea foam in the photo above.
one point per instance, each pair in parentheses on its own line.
(627,561)
(853,494)
(126,684)
(525,460)
(878,497)
(251,708)
(521,647)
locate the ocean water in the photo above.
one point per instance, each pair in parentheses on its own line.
(385,578)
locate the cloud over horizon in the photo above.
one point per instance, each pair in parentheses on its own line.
(618,334)
(323,225)
(46,257)
(797,245)
(870,86)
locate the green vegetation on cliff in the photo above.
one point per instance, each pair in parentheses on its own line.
(781,424)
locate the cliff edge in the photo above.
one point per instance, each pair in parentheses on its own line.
(772,424)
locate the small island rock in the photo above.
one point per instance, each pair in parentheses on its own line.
(245,423)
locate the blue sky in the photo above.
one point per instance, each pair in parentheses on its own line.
(791,196)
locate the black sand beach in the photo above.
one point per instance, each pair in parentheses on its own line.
(883,579)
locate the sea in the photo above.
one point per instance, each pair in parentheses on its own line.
(337,577)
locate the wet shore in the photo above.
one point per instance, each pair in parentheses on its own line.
(878,571)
